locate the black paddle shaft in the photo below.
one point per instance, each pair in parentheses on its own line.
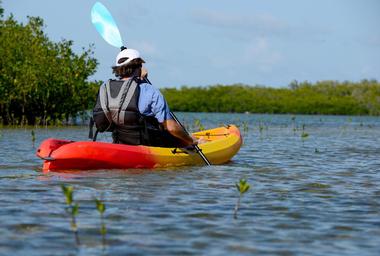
(199,151)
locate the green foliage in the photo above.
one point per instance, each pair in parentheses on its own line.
(324,97)
(68,192)
(33,134)
(198,124)
(100,206)
(1,10)
(42,82)
(75,209)
(103,230)
(242,186)
(72,209)
(245,126)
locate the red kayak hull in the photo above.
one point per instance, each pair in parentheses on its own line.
(222,144)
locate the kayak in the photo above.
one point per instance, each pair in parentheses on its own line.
(221,145)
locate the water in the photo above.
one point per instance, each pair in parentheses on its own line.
(317,195)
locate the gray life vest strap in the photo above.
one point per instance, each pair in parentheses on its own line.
(104,101)
(114,108)
(127,96)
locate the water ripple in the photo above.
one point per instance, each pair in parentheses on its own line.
(309,196)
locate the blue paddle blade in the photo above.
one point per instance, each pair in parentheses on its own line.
(105,25)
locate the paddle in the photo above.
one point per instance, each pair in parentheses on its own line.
(106,26)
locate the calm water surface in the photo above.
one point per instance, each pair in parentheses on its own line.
(316,195)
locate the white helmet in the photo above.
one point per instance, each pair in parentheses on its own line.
(128,55)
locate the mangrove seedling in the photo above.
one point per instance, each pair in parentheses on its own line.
(101,207)
(199,125)
(242,186)
(294,124)
(304,134)
(261,127)
(245,126)
(33,137)
(72,209)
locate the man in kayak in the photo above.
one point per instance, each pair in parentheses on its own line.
(133,110)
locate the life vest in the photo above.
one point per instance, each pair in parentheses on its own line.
(116,110)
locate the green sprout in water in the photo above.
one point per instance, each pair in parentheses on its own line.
(101,207)
(33,137)
(245,126)
(294,124)
(199,125)
(243,186)
(261,127)
(304,134)
(72,209)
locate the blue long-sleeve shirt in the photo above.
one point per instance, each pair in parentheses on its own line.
(152,103)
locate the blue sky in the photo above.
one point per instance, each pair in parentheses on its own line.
(205,42)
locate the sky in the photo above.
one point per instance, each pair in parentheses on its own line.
(207,42)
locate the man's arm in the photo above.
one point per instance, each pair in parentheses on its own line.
(161,111)
(176,130)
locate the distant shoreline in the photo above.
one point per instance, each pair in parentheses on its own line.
(321,98)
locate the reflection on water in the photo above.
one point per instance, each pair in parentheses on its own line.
(314,195)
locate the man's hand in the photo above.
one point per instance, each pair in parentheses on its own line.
(176,130)
(202,140)
(196,141)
